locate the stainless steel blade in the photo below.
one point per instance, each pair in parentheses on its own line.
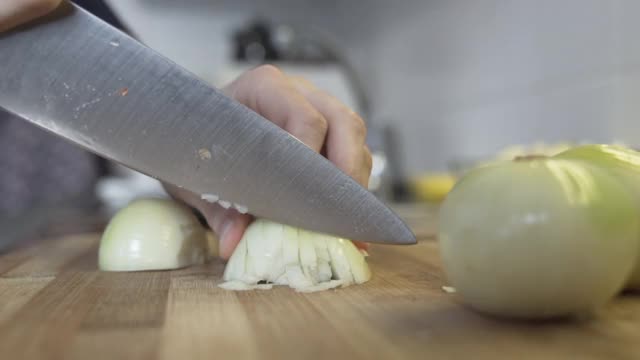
(80,78)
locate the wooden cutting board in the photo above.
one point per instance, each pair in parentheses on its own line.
(55,304)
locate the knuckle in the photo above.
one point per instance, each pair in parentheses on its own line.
(41,6)
(368,159)
(52,3)
(267,70)
(304,83)
(298,79)
(358,125)
(315,121)
(323,124)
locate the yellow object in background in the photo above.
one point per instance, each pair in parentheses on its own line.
(433,187)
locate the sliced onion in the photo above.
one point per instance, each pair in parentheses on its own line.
(271,253)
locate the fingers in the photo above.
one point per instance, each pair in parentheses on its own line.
(228,224)
(269,92)
(346,136)
(16,12)
(314,117)
(311,115)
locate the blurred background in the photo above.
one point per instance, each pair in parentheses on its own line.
(443,84)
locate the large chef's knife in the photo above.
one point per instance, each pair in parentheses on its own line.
(84,80)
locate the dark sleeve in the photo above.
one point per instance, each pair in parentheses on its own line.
(101,10)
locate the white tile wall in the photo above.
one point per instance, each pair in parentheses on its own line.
(481,75)
(456,78)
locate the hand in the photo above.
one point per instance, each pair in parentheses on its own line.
(16,12)
(311,115)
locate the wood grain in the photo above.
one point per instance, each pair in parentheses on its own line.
(55,304)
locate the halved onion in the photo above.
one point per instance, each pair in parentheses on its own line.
(152,234)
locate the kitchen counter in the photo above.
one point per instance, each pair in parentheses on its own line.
(55,304)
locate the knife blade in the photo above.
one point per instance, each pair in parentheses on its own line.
(78,77)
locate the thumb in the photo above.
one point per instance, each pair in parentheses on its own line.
(228,224)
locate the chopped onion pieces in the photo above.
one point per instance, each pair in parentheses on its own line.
(276,254)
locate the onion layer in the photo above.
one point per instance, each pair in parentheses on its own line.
(623,163)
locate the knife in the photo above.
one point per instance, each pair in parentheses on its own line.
(79,78)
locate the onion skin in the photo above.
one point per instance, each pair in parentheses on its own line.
(538,238)
(622,162)
(152,234)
